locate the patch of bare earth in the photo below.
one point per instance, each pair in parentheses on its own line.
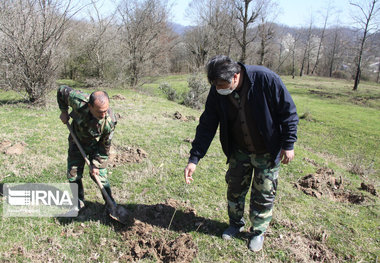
(145,240)
(190,140)
(359,100)
(311,161)
(304,249)
(323,183)
(118,97)
(8,148)
(120,155)
(118,116)
(370,188)
(179,116)
(322,94)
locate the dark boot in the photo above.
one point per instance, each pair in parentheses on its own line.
(79,183)
(80,189)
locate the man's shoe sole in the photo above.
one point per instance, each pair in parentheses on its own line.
(229,237)
(259,245)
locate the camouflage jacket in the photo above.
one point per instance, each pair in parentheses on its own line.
(94,135)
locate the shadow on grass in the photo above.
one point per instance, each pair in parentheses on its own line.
(13,101)
(159,215)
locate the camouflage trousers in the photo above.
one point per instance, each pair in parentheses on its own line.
(264,185)
(75,167)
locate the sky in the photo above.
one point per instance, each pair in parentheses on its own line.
(294,13)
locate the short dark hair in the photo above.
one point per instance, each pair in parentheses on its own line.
(221,67)
(102,96)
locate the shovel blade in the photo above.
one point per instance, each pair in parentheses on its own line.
(120,214)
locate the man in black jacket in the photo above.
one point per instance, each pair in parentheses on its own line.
(258,128)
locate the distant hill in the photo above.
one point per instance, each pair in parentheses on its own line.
(178,28)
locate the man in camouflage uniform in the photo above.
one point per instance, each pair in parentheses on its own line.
(258,128)
(93,124)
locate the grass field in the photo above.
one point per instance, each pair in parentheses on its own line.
(339,136)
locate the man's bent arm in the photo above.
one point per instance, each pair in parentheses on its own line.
(63,93)
(206,129)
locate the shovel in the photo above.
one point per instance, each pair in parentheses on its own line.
(119,213)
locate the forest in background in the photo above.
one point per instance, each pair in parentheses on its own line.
(42,41)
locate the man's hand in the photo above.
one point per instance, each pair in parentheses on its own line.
(64,117)
(94,171)
(189,170)
(286,156)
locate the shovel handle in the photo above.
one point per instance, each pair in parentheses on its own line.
(97,180)
(78,145)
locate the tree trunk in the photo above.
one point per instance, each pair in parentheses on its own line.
(320,43)
(262,51)
(378,72)
(366,30)
(245,28)
(303,62)
(293,63)
(333,54)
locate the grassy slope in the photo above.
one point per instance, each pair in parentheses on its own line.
(344,129)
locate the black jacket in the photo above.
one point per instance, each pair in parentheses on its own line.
(272,108)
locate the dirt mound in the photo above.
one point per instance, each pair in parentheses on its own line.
(179,116)
(154,245)
(352,198)
(322,94)
(145,241)
(323,183)
(311,161)
(369,188)
(15,149)
(307,116)
(359,100)
(5,145)
(118,97)
(118,116)
(120,155)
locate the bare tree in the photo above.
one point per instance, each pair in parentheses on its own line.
(144,35)
(266,31)
(89,45)
(321,39)
(73,49)
(30,32)
(335,47)
(333,51)
(215,17)
(99,38)
(247,13)
(198,45)
(285,41)
(293,50)
(378,71)
(179,59)
(366,19)
(307,44)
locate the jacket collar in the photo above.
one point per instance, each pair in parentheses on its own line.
(246,75)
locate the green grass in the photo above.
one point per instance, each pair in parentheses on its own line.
(342,129)
(72,83)
(177,82)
